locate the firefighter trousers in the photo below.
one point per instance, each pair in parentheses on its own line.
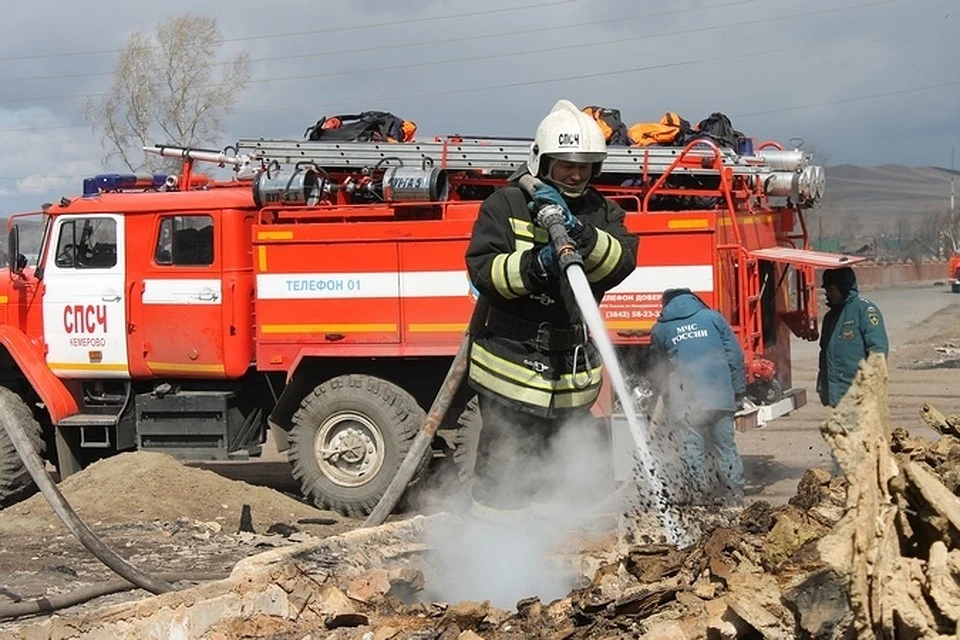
(513,472)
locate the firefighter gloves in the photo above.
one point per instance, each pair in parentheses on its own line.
(545,194)
(547,257)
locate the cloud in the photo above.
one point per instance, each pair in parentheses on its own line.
(827,72)
(41,158)
(41,184)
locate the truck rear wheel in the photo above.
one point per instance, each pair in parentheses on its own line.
(348,440)
(468,440)
(15,481)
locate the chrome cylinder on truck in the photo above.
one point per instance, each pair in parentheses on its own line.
(785,160)
(302,186)
(402,184)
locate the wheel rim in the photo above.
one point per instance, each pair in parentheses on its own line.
(349,449)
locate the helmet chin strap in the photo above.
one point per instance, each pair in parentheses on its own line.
(571,191)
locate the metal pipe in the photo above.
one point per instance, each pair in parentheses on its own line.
(186,153)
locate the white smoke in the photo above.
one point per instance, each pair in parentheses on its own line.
(503,562)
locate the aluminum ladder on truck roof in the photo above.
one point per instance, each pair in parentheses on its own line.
(504,156)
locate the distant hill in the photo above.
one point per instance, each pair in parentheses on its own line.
(874,199)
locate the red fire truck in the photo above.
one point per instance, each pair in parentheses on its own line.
(953,271)
(320,293)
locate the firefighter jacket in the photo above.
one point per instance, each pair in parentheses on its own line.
(851,330)
(532,353)
(698,359)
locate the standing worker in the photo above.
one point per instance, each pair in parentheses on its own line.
(852,329)
(699,371)
(533,364)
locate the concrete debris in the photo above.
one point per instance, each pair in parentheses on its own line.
(892,546)
(944,425)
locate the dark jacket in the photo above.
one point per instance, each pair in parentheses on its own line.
(699,358)
(851,330)
(507,360)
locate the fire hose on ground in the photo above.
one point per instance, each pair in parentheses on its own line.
(132,576)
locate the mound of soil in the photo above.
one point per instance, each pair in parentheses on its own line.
(148,486)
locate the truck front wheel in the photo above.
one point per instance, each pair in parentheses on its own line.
(348,440)
(15,481)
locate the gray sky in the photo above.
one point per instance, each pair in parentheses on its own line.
(867,82)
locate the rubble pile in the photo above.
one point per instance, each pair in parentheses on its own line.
(871,552)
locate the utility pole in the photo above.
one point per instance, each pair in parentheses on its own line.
(953,209)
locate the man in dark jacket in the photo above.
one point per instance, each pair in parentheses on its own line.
(699,370)
(533,364)
(852,329)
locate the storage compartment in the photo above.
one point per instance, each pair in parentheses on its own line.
(197,425)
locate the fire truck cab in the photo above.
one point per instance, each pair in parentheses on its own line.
(321,293)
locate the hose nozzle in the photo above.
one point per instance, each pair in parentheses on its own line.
(552,219)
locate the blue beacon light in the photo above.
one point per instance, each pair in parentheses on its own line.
(116,181)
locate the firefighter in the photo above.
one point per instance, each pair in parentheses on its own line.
(852,329)
(698,368)
(532,364)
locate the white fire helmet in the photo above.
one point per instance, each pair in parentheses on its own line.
(569,134)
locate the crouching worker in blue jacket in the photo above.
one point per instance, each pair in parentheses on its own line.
(699,371)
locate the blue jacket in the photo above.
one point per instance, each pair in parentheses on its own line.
(699,357)
(851,330)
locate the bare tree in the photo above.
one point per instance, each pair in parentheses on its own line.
(929,235)
(168,88)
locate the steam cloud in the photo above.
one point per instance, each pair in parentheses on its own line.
(503,562)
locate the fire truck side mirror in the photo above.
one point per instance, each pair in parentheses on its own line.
(13,251)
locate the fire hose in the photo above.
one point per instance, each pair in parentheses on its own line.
(551,217)
(132,576)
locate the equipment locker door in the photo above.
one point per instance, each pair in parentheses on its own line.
(182,299)
(84,306)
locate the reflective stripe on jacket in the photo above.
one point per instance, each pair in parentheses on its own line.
(502,263)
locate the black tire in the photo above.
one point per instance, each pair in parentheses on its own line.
(373,423)
(467,441)
(15,481)
(955,288)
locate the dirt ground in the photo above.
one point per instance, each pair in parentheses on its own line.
(165,518)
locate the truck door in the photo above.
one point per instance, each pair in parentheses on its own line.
(182,296)
(84,307)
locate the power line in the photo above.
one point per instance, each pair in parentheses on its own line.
(826,103)
(860,98)
(355,27)
(631,38)
(530,83)
(564,78)
(458,39)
